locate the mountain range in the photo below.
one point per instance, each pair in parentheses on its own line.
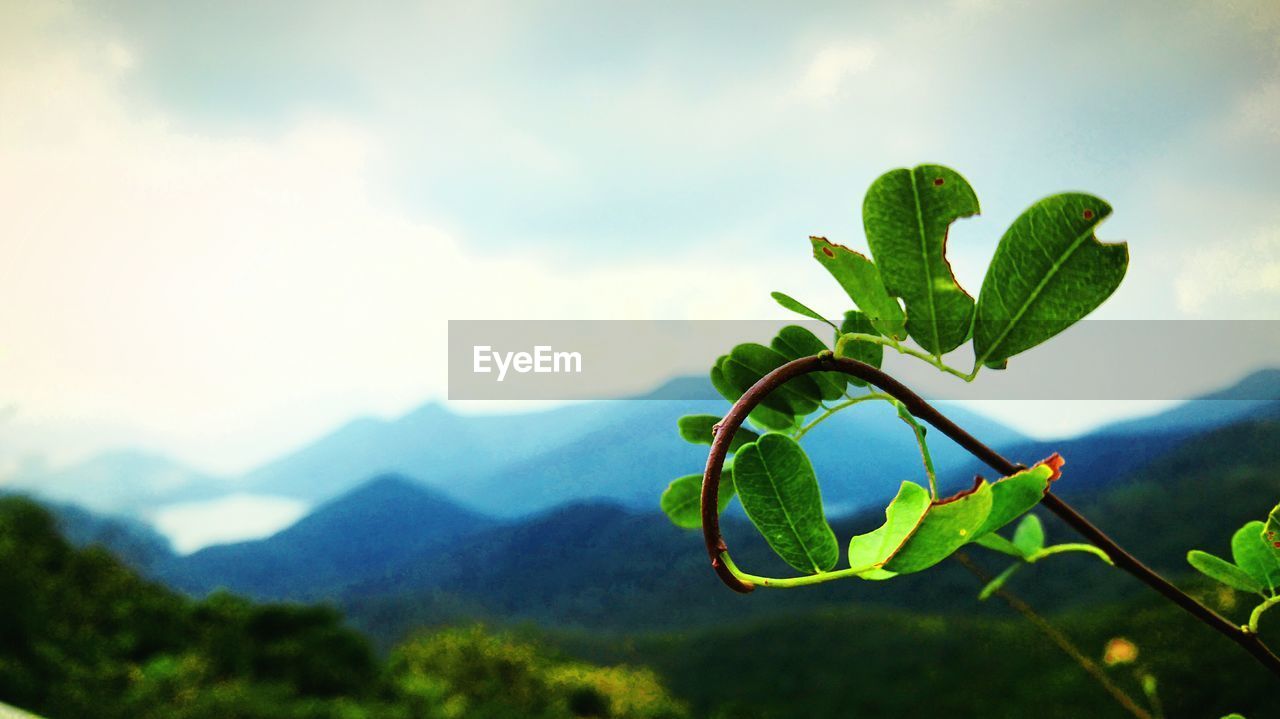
(512,465)
(588,549)
(397,553)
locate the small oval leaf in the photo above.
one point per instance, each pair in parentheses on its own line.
(761,416)
(779,490)
(1220,570)
(871,353)
(749,362)
(682,500)
(698,429)
(798,307)
(1252,554)
(794,342)
(997,543)
(1029,536)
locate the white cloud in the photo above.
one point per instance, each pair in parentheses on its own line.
(1257,117)
(832,66)
(227,292)
(230,296)
(235,518)
(1247,270)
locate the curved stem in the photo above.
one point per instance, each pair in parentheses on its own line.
(922,410)
(1256,615)
(806,580)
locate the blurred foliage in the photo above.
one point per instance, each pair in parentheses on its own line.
(468,673)
(83,636)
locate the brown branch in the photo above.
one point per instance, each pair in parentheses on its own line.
(1057,637)
(828,362)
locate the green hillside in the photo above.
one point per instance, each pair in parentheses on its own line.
(653,636)
(83,636)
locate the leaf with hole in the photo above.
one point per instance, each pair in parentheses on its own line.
(1049,271)
(779,490)
(947,526)
(862,282)
(907,215)
(1015,495)
(1251,553)
(1220,570)
(794,342)
(682,500)
(697,429)
(901,517)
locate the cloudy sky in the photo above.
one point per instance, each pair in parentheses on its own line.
(228,227)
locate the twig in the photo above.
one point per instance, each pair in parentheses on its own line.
(1057,637)
(828,362)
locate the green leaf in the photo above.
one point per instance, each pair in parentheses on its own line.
(1013,496)
(947,526)
(794,342)
(871,353)
(1220,570)
(761,416)
(1271,531)
(997,543)
(862,282)
(697,429)
(995,584)
(907,214)
(1254,555)
(749,362)
(798,307)
(1029,536)
(901,518)
(682,500)
(779,490)
(1049,271)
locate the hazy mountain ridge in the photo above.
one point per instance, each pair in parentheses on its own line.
(123,482)
(598,565)
(361,536)
(381,538)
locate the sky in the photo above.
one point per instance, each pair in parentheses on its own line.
(226,228)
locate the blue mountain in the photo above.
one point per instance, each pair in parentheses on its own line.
(122,482)
(624,451)
(359,537)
